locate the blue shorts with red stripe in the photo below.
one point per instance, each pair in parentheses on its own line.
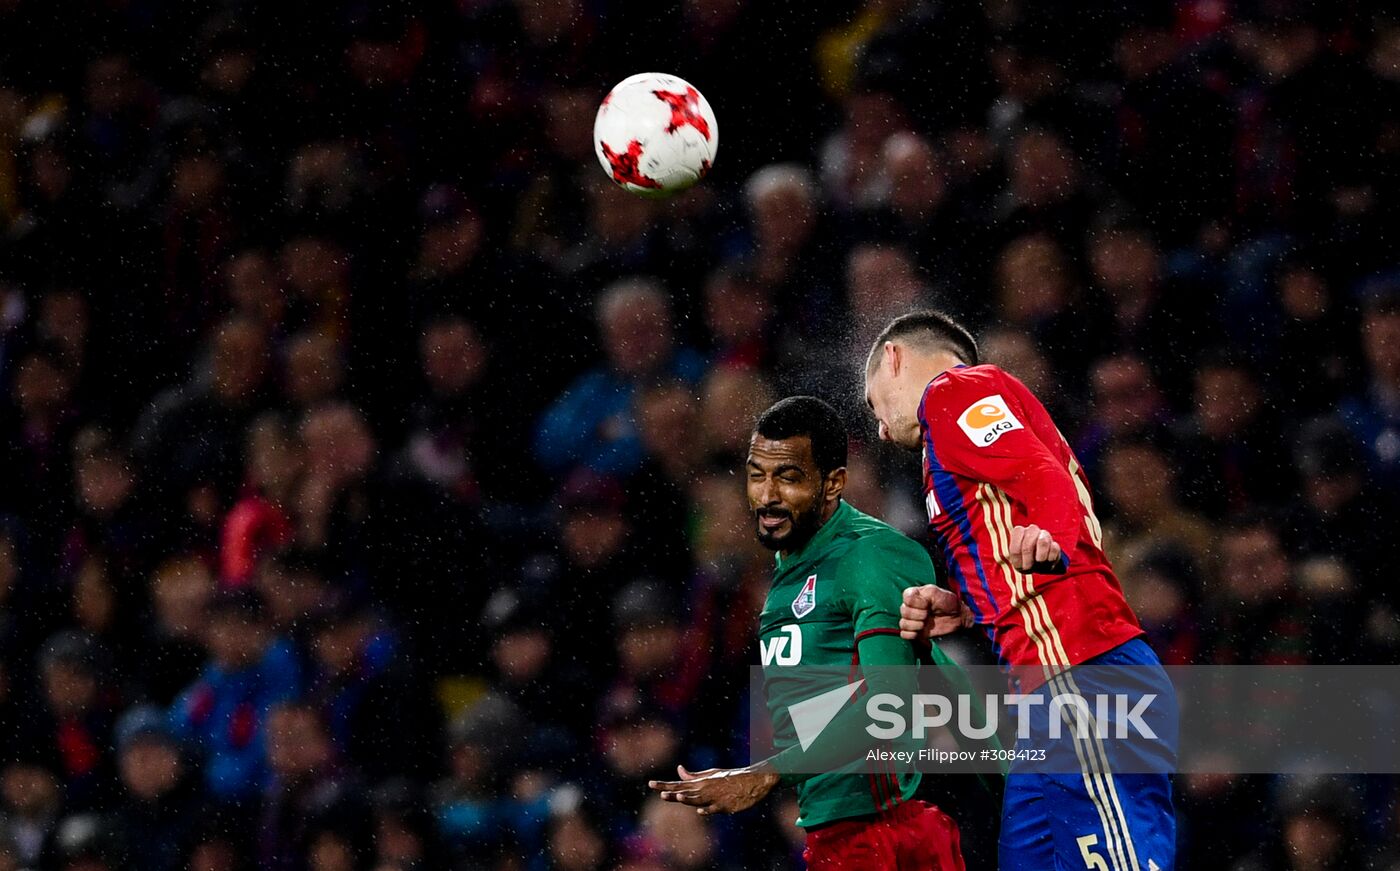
(1097,804)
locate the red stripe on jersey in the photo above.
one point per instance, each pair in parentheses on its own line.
(869,632)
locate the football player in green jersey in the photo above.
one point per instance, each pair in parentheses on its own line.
(834,603)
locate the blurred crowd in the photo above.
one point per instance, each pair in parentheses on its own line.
(368,496)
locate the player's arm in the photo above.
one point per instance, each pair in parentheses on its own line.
(1015,461)
(873,573)
(719,790)
(843,741)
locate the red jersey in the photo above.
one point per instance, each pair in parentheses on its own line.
(993,459)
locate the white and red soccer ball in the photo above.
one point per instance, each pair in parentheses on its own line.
(655,135)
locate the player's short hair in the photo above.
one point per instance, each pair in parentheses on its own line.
(928,331)
(811,417)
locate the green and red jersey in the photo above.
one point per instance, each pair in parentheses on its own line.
(843,587)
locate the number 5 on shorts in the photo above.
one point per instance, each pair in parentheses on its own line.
(1092,860)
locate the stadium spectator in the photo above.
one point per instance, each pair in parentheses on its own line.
(254,290)
(404,835)
(1170,124)
(96,611)
(74,723)
(1140,487)
(258,524)
(522,656)
(1267,622)
(160,803)
(447,446)
(222,716)
(474,810)
(1318,823)
(635,742)
(195,431)
(38,445)
(1232,444)
(32,802)
(593,422)
(1313,352)
(850,157)
(451,255)
(673,837)
(308,788)
(316,270)
(739,316)
(730,398)
(1163,586)
(1047,191)
(787,257)
(671,433)
(597,551)
(314,373)
(1374,414)
(657,670)
(180,590)
(293,587)
(111,523)
(1037,293)
(332,504)
(1126,403)
(377,713)
(881,283)
(1017,353)
(577,842)
(1150,315)
(1341,514)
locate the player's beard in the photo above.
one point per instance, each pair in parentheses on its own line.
(799,530)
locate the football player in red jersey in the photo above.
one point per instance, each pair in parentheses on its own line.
(1010,509)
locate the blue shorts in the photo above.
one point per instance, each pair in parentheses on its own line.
(1110,807)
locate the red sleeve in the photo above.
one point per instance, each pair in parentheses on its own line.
(977,428)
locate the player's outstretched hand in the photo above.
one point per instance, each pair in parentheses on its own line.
(1034,550)
(930,611)
(718,790)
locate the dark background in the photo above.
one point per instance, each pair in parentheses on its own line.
(342,527)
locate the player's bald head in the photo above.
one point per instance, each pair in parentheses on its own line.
(927,332)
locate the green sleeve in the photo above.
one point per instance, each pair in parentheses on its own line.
(874,576)
(845,740)
(949,678)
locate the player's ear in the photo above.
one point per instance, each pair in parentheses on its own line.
(834,485)
(892,357)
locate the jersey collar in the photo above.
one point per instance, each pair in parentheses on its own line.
(818,541)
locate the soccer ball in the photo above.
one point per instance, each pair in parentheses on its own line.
(655,135)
